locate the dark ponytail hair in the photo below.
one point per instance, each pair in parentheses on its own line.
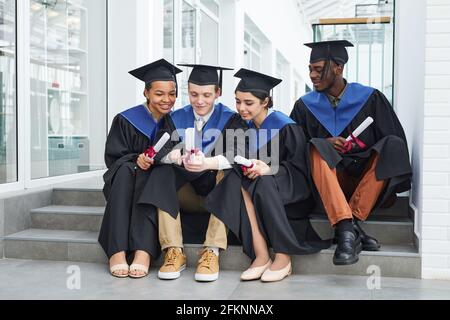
(148,86)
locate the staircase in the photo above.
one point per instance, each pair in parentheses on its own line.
(68,229)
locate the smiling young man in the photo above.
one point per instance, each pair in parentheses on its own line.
(170,182)
(350,177)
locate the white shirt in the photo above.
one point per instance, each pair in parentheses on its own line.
(200,122)
(205,118)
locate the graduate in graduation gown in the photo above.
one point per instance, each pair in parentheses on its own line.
(257,205)
(353,177)
(128,229)
(199,169)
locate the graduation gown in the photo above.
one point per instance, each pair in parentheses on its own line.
(127,226)
(282,201)
(385,136)
(165,180)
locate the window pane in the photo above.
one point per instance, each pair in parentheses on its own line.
(247,57)
(209,40)
(282,91)
(68,87)
(168,30)
(8,108)
(188,51)
(212,6)
(256,62)
(256,46)
(247,38)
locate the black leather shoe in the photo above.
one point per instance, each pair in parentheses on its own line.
(368,243)
(348,247)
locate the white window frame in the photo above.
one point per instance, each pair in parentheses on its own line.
(177,32)
(21,155)
(202,8)
(283,71)
(199,8)
(252,50)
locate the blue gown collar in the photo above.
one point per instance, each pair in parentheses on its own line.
(184,119)
(335,120)
(269,129)
(141,118)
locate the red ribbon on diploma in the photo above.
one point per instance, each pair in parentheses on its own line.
(150,152)
(348,146)
(245,169)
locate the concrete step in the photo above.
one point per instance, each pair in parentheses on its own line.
(82,246)
(388,230)
(94,197)
(77,218)
(78,197)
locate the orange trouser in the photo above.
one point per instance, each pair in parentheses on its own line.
(336,187)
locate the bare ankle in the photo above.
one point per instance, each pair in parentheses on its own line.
(118,258)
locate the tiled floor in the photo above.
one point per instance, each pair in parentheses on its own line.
(25,279)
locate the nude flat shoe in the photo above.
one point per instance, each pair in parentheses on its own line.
(119,267)
(272,276)
(138,267)
(255,273)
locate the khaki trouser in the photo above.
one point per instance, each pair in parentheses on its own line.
(334,186)
(170,234)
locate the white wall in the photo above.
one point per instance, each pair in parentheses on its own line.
(436,169)
(96,82)
(409,73)
(131,44)
(282,23)
(271,19)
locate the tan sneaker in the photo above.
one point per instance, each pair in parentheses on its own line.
(208,266)
(174,263)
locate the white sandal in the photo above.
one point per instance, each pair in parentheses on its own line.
(138,267)
(119,267)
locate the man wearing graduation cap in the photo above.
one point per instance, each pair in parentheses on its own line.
(352,174)
(200,168)
(128,228)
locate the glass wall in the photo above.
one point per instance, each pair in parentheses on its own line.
(68,86)
(8,107)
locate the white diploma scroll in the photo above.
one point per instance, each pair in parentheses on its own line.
(190,139)
(158,146)
(363,126)
(243,161)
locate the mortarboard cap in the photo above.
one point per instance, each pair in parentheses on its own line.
(204,75)
(252,81)
(329,50)
(160,70)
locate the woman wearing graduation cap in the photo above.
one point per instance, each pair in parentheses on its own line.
(353,174)
(267,204)
(128,228)
(201,128)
